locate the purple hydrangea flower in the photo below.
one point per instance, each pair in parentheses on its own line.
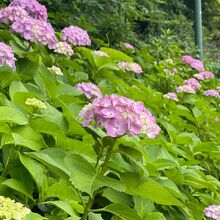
(64,48)
(204,75)
(171,95)
(100,53)
(211,92)
(187,59)
(193,83)
(212,211)
(36,30)
(197,65)
(90,90)
(76,36)
(6,56)
(33,8)
(120,116)
(130,67)
(185,88)
(12,13)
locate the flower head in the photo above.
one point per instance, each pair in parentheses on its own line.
(35,103)
(11,14)
(56,70)
(185,88)
(212,211)
(33,8)
(90,90)
(197,64)
(193,83)
(36,30)
(128,46)
(204,75)
(130,67)
(64,48)
(212,92)
(76,36)
(171,95)
(11,210)
(120,116)
(187,59)
(6,55)
(100,53)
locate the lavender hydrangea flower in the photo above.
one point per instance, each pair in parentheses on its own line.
(120,116)
(90,90)
(212,92)
(33,8)
(64,48)
(187,59)
(130,67)
(212,211)
(204,75)
(171,95)
(12,13)
(36,30)
(76,36)
(100,53)
(185,88)
(6,55)
(193,83)
(197,65)
(128,46)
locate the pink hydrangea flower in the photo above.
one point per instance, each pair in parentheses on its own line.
(33,8)
(171,95)
(197,65)
(6,56)
(100,53)
(36,30)
(130,67)
(64,48)
(193,83)
(76,36)
(120,116)
(211,92)
(212,211)
(90,90)
(12,13)
(204,75)
(187,59)
(185,88)
(128,46)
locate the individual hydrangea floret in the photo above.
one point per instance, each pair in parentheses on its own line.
(204,75)
(33,7)
(56,70)
(35,103)
(130,67)
(76,36)
(100,53)
(90,90)
(187,59)
(212,211)
(128,46)
(171,95)
(6,56)
(11,14)
(64,48)
(36,30)
(185,88)
(212,92)
(120,116)
(193,83)
(11,210)
(197,65)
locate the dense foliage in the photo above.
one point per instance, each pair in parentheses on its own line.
(146,148)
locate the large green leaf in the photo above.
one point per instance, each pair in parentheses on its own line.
(93,216)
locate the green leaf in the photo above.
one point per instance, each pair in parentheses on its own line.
(33,216)
(93,216)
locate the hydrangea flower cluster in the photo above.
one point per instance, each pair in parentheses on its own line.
(90,90)
(212,211)
(194,63)
(120,116)
(128,46)
(64,48)
(56,70)
(171,95)
(130,67)
(204,75)
(193,83)
(76,36)
(6,55)
(35,103)
(36,30)
(100,53)
(11,14)
(212,92)
(185,88)
(187,59)
(33,7)
(11,210)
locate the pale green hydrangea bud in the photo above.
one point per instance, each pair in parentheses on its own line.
(55,70)
(35,103)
